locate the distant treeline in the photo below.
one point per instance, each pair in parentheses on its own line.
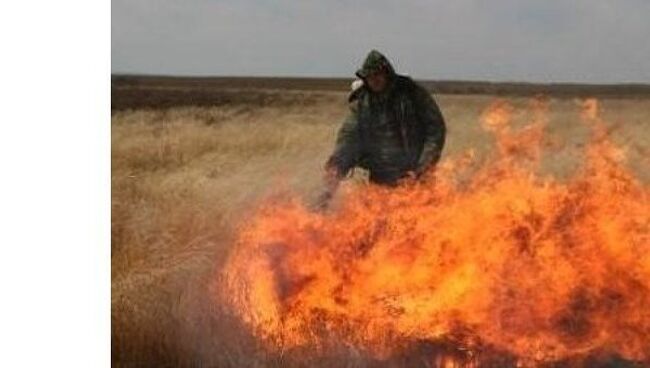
(133,91)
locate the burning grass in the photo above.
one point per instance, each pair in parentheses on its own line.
(185,180)
(492,259)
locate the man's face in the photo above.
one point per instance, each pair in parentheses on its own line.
(377,81)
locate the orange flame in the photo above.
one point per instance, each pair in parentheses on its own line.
(488,255)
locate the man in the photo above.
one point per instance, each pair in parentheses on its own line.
(394,129)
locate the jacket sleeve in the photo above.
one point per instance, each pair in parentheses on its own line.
(348,146)
(434,129)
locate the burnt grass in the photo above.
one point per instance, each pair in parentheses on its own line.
(159,92)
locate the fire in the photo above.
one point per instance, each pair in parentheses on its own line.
(480,257)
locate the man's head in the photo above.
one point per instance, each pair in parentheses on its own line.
(376,71)
(377,81)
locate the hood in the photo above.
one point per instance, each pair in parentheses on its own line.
(373,62)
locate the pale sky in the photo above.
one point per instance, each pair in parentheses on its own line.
(597,41)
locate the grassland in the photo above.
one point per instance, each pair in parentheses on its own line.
(185,174)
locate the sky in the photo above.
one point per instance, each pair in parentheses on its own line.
(592,41)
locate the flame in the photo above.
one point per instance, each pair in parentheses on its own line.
(478,255)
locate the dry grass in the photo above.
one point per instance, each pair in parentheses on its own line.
(183,178)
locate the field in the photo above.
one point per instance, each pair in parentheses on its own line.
(190,164)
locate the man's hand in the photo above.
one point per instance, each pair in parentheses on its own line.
(331,180)
(419,173)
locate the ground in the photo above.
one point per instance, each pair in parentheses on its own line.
(184,177)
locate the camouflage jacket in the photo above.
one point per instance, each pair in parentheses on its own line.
(398,131)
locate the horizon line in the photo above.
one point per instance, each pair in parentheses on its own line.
(485,81)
